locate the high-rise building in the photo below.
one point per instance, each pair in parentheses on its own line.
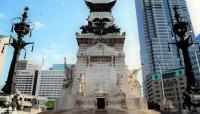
(197,59)
(32,80)
(24,65)
(50,81)
(198,38)
(3,40)
(26,77)
(155,20)
(174,83)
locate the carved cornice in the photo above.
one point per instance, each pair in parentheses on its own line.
(100,7)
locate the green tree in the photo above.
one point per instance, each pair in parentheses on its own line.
(50,104)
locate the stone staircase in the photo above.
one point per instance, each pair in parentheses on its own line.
(102,111)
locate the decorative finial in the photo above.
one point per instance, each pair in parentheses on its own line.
(26,8)
(25,14)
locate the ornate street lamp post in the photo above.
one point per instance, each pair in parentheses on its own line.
(180,28)
(183,42)
(21,28)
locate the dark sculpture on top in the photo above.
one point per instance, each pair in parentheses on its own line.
(100,26)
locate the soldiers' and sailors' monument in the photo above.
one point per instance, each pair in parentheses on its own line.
(101,80)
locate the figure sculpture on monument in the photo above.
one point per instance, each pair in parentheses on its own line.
(82,83)
(132,81)
(68,73)
(119,81)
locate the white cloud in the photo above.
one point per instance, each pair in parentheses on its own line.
(52,57)
(54,45)
(132,51)
(193,6)
(38,25)
(2,15)
(59,58)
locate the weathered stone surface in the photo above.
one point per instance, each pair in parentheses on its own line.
(101,72)
(102,112)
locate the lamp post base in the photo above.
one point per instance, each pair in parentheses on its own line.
(9,89)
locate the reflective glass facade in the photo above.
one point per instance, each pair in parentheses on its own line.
(155,20)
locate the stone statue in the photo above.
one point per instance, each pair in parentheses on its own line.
(68,74)
(134,83)
(132,80)
(82,83)
(119,81)
(133,73)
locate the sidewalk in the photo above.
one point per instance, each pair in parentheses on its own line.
(33,111)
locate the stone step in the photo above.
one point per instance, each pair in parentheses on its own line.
(102,111)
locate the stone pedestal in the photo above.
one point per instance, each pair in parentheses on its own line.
(101,73)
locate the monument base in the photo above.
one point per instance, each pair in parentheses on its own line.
(102,111)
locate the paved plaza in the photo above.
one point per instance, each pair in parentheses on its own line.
(33,111)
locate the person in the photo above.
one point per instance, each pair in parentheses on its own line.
(14,103)
(187,101)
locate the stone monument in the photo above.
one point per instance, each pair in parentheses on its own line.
(101,80)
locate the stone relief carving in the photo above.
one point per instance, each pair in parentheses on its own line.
(69,80)
(119,81)
(82,83)
(132,80)
(123,101)
(69,75)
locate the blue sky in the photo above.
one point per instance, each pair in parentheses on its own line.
(57,21)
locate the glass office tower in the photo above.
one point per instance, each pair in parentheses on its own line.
(155,20)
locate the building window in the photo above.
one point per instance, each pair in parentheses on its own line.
(157,96)
(182,88)
(180,78)
(156,82)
